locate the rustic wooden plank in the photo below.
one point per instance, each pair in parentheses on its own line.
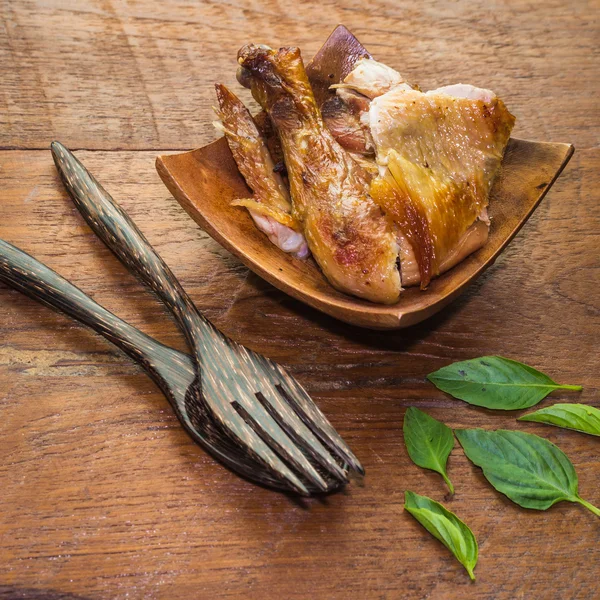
(134,75)
(104,496)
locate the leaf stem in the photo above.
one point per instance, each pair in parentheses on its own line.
(575,388)
(448,483)
(595,510)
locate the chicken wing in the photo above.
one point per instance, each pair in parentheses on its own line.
(270,207)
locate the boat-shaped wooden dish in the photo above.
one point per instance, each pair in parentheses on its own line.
(205,181)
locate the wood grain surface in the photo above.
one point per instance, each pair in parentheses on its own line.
(102,494)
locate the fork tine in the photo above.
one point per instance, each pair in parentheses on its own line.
(314,419)
(252,444)
(270,420)
(296,428)
(307,413)
(226,388)
(301,434)
(232,425)
(303,466)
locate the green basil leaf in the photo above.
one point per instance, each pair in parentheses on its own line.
(495,382)
(530,470)
(446,527)
(428,442)
(579,417)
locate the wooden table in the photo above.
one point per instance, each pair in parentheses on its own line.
(102,493)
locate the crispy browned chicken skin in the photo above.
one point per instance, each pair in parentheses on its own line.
(383,175)
(438,154)
(347,232)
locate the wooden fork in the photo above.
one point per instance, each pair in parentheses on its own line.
(250,401)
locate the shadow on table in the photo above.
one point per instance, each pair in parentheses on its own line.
(258,300)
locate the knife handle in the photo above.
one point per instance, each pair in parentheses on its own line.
(34,279)
(116,229)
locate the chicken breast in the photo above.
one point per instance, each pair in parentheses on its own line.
(443,153)
(346,113)
(348,234)
(438,154)
(270,207)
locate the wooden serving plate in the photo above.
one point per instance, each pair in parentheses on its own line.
(205,181)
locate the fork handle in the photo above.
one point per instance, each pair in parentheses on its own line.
(34,279)
(117,230)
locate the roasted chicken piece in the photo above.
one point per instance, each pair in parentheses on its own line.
(438,154)
(443,153)
(352,240)
(384,176)
(270,207)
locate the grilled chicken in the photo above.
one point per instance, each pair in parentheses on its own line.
(270,207)
(347,232)
(384,176)
(438,153)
